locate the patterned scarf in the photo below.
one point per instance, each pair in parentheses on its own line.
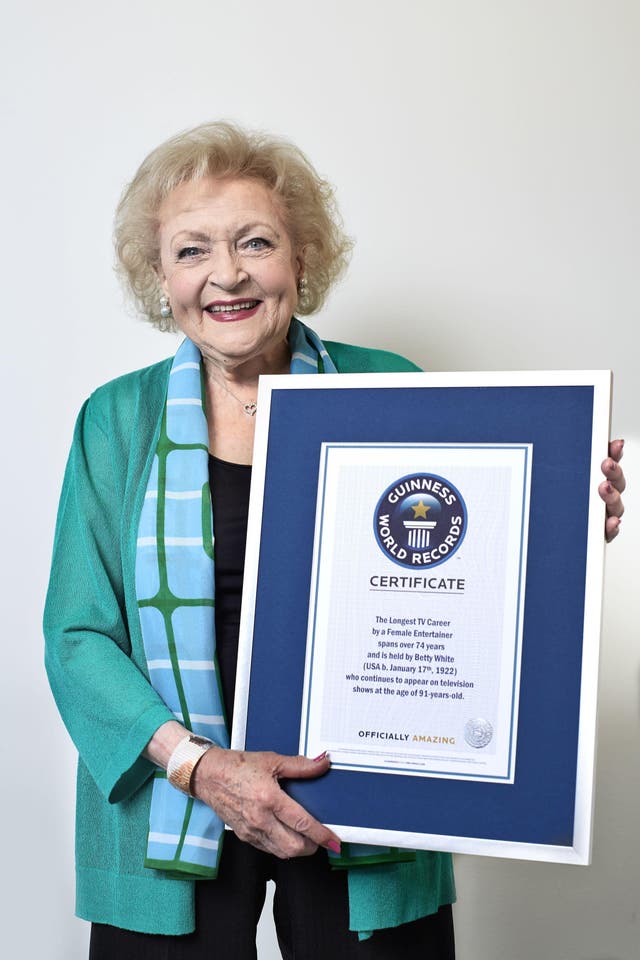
(176,601)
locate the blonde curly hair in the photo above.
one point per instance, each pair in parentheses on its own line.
(224,149)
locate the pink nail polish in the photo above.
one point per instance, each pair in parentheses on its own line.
(320,756)
(333,846)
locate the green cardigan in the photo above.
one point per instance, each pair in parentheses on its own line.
(97,670)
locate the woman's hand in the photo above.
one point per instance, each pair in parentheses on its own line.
(243,789)
(611,488)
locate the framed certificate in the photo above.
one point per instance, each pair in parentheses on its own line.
(422,599)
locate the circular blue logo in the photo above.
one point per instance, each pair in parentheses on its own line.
(420,520)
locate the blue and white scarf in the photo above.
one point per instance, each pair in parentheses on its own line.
(176,601)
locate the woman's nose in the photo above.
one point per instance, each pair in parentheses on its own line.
(226,270)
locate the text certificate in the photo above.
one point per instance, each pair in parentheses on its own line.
(416,608)
(422,599)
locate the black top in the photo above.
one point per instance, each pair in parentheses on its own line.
(229,484)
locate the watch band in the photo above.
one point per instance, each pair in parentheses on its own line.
(184,760)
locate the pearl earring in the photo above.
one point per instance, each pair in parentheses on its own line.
(165,308)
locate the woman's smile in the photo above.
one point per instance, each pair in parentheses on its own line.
(229,311)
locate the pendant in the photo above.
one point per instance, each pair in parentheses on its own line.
(250,408)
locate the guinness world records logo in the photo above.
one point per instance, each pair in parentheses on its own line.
(420,520)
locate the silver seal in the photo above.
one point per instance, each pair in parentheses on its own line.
(478,733)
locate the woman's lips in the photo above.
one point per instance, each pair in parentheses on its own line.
(227,311)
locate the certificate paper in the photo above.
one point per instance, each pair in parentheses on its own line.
(422,598)
(414,668)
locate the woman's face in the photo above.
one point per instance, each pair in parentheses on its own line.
(229,269)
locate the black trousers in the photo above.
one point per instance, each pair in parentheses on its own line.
(311,913)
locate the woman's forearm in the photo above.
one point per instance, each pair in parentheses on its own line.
(164,741)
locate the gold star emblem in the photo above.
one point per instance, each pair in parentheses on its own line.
(420,510)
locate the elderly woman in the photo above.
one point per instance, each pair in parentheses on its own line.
(225,235)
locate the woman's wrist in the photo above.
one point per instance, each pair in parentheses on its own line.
(164,742)
(184,761)
(178,751)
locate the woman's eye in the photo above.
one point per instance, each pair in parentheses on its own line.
(187,253)
(256,244)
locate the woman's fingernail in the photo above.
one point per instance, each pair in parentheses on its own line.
(332,845)
(320,756)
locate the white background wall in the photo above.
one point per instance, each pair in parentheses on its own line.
(486,156)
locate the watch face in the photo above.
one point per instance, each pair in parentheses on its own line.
(200,741)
